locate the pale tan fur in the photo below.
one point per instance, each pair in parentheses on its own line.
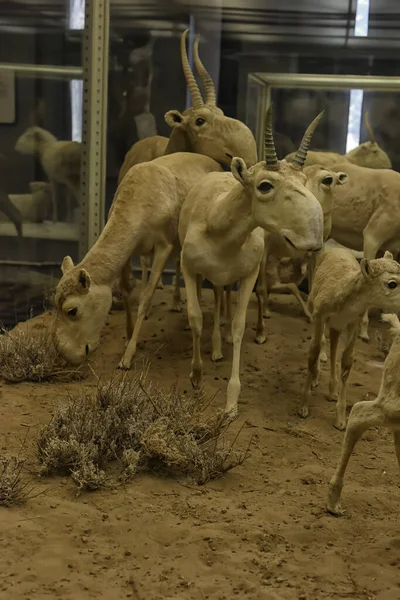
(368,154)
(342,291)
(366,214)
(383,411)
(144,218)
(203,128)
(61,160)
(143,151)
(221,229)
(275,277)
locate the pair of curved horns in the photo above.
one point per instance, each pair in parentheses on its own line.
(197,99)
(299,159)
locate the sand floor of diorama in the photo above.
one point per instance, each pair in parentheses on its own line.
(260,532)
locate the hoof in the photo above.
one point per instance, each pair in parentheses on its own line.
(260,339)
(303,412)
(334,397)
(231,414)
(314,383)
(176,308)
(187,327)
(340,424)
(335,509)
(267,314)
(217,357)
(159,286)
(364,337)
(323,357)
(124,365)
(195,378)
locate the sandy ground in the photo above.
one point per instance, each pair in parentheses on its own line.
(261,532)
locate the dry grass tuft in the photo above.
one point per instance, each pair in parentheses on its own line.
(141,427)
(13,488)
(27,355)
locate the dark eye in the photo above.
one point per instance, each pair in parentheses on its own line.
(392,285)
(199,122)
(265,187)
(327,180)
(72,312)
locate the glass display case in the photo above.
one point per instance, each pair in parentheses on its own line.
(102,74)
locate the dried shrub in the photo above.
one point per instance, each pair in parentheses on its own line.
(30,355)
(130,421)
(13,487)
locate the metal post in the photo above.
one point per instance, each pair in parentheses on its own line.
(94,120)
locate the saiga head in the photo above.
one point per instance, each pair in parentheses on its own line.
(204,128)
(81,308)
(369,154)
(383,278)
(280,199)
(321,181)
(32,139)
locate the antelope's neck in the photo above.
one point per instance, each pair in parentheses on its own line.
(230,218)
(106,258)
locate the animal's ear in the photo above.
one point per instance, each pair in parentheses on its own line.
(366,268)
(84,281)
(239,170)
(174,118)
(342,178)
(388,255)
(67,264)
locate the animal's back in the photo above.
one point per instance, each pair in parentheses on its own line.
(367,190)
(143,151)
(314,157)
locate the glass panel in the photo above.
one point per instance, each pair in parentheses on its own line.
(43,33)
(38,221)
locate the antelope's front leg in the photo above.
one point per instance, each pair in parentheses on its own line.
(245,290)
(176,301)
(161,255)
(347,363)
(313,365)
(216,335)
(195,317)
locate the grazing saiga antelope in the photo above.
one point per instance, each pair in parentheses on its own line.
(342,291)
(369,154)
(143,219)
(383,411)
(221,229)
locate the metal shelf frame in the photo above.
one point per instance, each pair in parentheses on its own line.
(266,82)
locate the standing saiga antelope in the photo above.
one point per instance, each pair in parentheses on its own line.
(221,229)
(341,292)
(203,128)
(383,411)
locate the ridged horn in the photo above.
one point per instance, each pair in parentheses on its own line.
(369,129)
(271,158)
(194,90)
(209,87)
(301,154)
